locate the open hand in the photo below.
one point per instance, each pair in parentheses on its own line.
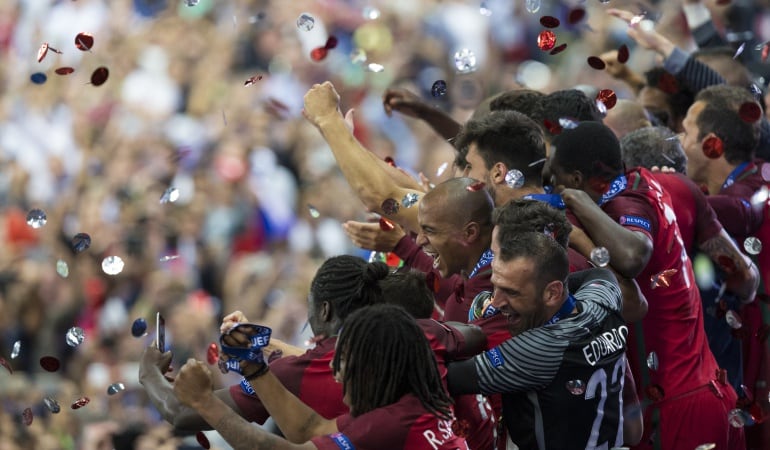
(371,237)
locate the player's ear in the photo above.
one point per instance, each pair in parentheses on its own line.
(325,311)
(553,294)
(497,173)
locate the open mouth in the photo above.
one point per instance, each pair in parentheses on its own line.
(513,318)
(436,258)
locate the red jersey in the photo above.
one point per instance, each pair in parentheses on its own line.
(673,327)
(740,217)
(307,376)
(475,419)
(405,424)
(696,219)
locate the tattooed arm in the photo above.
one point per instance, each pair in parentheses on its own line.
(297,421)
(743,275)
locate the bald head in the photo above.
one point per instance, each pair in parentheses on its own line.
(461,200)
(625,117)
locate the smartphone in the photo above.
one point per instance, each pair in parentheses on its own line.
(160,332)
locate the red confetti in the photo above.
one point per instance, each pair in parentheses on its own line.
(27,416)
(5,364)
(81,402)
(655,392)
(49,363)
(84,41)
(546,40)
(319,54)
(713,147)
(558,49)
(552,127)
(331,43)
(576,15)
(662,279)
(596,63)
(608,97)
(549,21)
(202,440)
(765,52)
(252,80)
(668,84)
(64,70)
(750,112)
(623,54)
(477,186)
(100,75)
(390,161)
(212,354)
(386,225)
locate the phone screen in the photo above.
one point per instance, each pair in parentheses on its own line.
(160,332)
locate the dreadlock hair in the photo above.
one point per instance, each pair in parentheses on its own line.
(387,356)
(721,117)
(509,137)
(522,216)
(409,289)
(348,283)
(590,148)
(653,146)
(550,258)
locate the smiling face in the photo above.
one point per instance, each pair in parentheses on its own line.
(516,293)
(441,238)
(697,161)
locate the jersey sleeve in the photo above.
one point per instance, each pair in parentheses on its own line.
(633,212)
(706,223)
(495,328)
(287,369)
(600,285)
(250,405)
(529,361)
(736,214)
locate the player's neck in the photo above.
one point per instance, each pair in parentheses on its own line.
(718,173)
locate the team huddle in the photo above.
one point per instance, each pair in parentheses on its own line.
(548,297)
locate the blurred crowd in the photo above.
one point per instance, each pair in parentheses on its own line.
(260,199)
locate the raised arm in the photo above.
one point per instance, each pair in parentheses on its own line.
(692,73)
(629,250)
(410,105)
(152,366)
(193,388)
(360,167)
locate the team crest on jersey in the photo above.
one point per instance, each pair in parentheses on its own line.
(495,357)
(636,221)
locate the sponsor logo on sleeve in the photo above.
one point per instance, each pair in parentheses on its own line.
(342,441)
(495,357)
(636,221)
